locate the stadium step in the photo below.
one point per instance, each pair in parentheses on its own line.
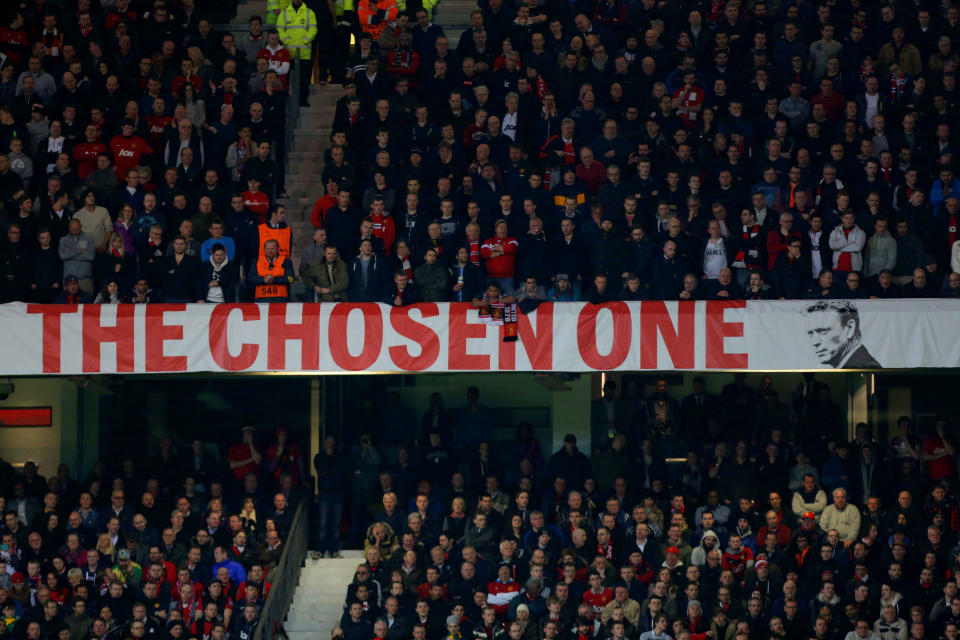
(318,599)
(311,138)
(313,127)
(454,12)
(250,8)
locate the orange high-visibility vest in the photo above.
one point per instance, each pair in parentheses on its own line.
(282,236)
(275,289)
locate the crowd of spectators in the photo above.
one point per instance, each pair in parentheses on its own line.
(179,546)
(126,128)
(645,148)
(773,526)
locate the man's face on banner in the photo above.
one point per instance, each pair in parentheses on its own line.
(828,336)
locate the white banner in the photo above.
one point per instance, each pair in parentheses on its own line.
(346,337)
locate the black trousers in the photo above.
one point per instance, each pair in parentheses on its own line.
(305,72)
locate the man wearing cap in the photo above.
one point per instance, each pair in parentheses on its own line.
(809,528)
(403,61)
(244,457)
(72,293)
(126,570)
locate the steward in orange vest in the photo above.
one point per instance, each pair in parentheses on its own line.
(276,228)
(272,274)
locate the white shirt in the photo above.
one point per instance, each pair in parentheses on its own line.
(714,258)
(872,107)
(816,263)
(509,125)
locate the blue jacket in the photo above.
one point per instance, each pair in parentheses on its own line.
(237,573)
(938,197)
(833,471)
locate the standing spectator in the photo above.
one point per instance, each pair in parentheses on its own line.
(939,452)
(778,239)
(847,242)
(244,457)
(368,275)
(46,269)
(179,273)
(217,277)
(332,472)
(95,222)
(431,278)
(14,265)
(77,252)
(843,517)
(327,277)
(499,253)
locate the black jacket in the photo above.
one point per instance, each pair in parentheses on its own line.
(569,258)
(378,279)
(14,272)
(410,294)
(178,279)
(332,472)
(105,269)
(666,278)
(789,279)
(46,270)
(229,278)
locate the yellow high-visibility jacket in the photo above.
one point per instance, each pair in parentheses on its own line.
(297,29)
(273,9)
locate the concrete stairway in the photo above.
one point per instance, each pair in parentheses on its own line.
(314,124)
(318,600)
(311,138)
(454,17)
(250,8)
(239,25)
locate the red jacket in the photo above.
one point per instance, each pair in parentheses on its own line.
(85,155)
(499,595)
(737,563)
(783,534)
(385,229)
(320,208)
(502,265)
(777,244)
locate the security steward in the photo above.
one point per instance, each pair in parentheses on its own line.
(297,27)
(276,228)
(272,275)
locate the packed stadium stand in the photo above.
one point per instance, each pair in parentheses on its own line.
(500,154)
(718,507)
(595,151)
